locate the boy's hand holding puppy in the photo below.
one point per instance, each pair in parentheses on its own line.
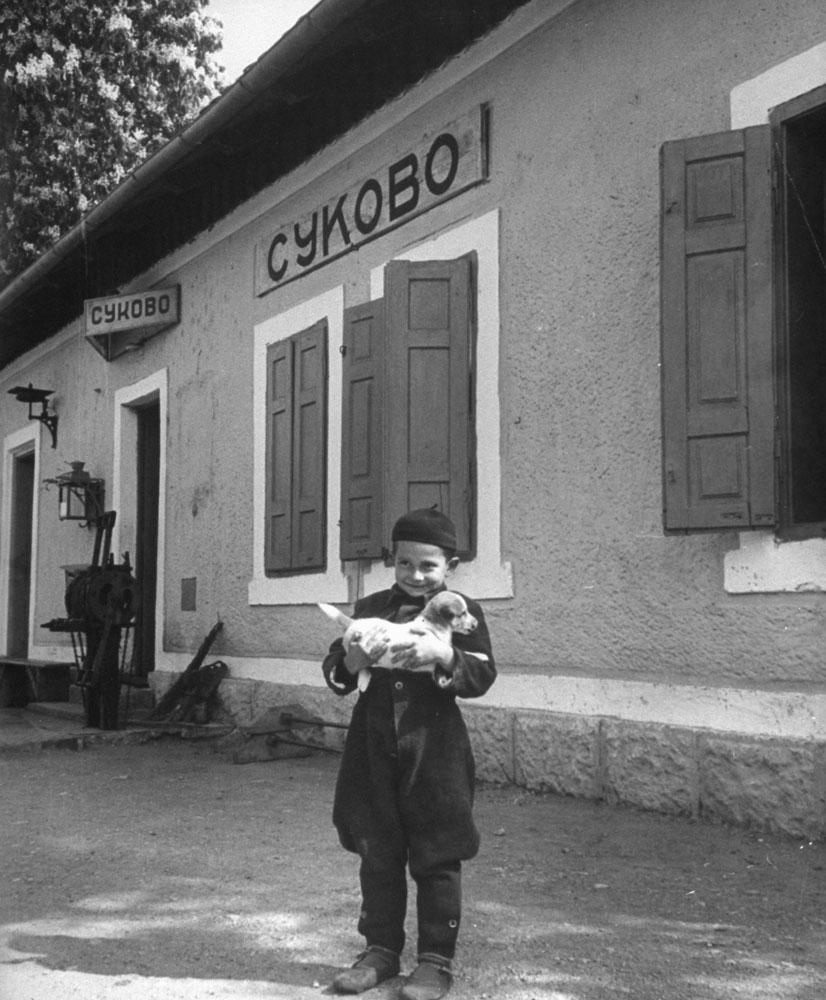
(366,648)
(421,651)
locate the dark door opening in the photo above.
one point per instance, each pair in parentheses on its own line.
(20,555)
(146,554)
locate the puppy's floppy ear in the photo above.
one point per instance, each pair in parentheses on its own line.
(450,607)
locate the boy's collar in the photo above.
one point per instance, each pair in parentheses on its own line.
(398,596)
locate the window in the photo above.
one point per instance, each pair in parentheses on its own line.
(484,572)
(296,452)
(407,404)
(799,138)
(407,434)
(743,345)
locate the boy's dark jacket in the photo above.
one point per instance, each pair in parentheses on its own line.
(407,756)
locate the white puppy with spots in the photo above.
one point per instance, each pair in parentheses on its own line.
(445,613)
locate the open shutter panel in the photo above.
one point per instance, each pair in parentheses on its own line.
(278,504)
(310,448)
(717,375)
(430,430)
(362,422)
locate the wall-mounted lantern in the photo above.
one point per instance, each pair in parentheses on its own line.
(79,496)
(28,394)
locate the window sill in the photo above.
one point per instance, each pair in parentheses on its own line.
(763,565)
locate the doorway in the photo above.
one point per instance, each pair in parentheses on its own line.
(20,555)
(146,535)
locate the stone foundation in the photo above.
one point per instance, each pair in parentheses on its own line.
(768,784)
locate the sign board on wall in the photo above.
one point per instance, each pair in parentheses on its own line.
(115,323)
(444,163)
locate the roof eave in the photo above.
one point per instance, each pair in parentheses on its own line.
(275,63)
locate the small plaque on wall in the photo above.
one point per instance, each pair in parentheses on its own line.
(189,587)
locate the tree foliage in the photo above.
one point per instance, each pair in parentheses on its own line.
(89,88)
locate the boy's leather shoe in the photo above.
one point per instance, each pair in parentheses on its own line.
(430,981)
(372,967)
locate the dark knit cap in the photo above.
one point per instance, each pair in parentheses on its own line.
(426,525)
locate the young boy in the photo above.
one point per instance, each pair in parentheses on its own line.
(405,787)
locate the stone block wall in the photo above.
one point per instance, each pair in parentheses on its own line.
(722,777)
(763,783)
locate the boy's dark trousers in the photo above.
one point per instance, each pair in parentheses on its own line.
(389,843)
(384,904)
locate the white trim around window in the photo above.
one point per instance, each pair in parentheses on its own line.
(762,564)
(486,576)
(302,588)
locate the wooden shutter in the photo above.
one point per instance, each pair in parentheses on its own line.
(310,448)
(716,300)
(278,503)
(295,505)
(363,432)
(430,434)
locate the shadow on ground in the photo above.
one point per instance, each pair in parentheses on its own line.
(165,871)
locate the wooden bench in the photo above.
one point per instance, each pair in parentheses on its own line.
(23,680)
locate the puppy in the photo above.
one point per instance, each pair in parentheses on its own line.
(443,614)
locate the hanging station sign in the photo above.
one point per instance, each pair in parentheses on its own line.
(118,323)
(444,163)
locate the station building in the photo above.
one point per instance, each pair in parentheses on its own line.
(554,266)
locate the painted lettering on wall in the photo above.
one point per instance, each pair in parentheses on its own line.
(446,162)
(138,310)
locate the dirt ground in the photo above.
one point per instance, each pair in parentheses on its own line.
(164,871)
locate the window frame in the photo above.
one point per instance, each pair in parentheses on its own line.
(488,575)
(759,565)
(717,405)
(306,549)
(781,117)
(294,588)
(390,461)
(770,212)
